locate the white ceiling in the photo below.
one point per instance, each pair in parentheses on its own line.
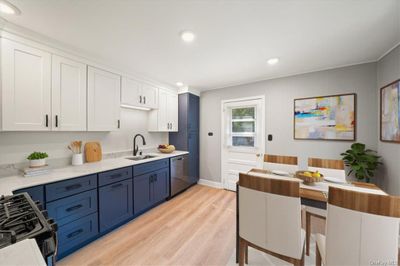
(234,38)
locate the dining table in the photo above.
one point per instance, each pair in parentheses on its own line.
(313,195)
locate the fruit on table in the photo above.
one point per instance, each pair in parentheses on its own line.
(316,174)
(166,146)
(308,174)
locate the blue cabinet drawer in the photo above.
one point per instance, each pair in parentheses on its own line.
(36,193)
(113,176)
(72,208)
(70,187)
(73,234)
(115,204)
(150,167)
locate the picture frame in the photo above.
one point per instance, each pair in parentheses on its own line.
(329,118)
(389,110)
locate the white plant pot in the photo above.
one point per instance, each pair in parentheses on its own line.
(77,159)
(37,163)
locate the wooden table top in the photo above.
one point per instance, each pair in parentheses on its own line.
(316,194)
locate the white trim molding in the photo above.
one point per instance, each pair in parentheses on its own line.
(210,183)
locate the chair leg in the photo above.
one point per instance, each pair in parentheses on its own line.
(302,257)
(308,233)
(247,255)
(317,257)
(242,251)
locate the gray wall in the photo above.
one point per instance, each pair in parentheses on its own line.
(389,71)
(279,94)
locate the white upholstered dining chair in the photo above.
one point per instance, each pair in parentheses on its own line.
(270,218)
(327,167)
(362,229)
(281,163)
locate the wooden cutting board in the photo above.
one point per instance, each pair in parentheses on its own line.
(93,152)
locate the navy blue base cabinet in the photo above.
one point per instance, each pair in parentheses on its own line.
(152,187)
(88,207)
(115,204)
(187,138)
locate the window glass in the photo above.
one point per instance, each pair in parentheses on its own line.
(243,141)
(243,113)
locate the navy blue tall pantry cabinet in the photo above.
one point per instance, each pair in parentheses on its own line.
(187,137)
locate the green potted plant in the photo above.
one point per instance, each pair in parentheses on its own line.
(362,162)
(37,159)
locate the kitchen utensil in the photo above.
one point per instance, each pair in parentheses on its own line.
(93,152)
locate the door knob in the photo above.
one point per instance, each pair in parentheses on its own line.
(258,154)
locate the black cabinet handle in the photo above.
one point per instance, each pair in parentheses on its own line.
(151,179)
(116,185)
(47,120)
(74,208)
(155,177)
(75,233)
(140,99)
(144,99)
(115,176)
(74,186)
(119,123)
(56,120)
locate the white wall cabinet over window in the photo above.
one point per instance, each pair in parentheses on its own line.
(26,88)
(135,93)
(165,118)
(104,90)
(68,94)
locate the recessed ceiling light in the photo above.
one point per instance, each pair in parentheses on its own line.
(179,84)
(8,8)
(273,61)
(188,36)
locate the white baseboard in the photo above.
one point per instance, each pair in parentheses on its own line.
(209,183)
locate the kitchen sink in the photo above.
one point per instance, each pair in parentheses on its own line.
(140,157)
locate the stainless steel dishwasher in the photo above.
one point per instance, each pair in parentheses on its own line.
(179,174)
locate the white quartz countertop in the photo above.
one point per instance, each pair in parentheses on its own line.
(11,183)
(25,252)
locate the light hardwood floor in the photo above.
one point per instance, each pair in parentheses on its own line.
(195,228)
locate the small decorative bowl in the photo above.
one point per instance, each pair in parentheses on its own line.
(170,149)
(309,180)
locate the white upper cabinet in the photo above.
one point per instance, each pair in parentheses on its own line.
(135,93)
(150,96)
(104,90)
(26,91)
(68,94)
(165,118)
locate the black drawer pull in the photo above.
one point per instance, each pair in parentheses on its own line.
(115,176)
(74,208)
(116,185)
(75,233)
(71,187)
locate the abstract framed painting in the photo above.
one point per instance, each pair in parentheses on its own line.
(330,117)
(390,112)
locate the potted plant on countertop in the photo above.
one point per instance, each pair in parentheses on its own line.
(37,159)
(362,162)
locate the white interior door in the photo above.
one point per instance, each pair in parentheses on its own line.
(243,138)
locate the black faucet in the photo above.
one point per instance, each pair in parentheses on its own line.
(135,147)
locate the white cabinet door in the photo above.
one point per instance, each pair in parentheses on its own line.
(150,96)
(104,90)
(165,118)
(131,92)
(26,78)
(172,112)
(163,123)
(68,94)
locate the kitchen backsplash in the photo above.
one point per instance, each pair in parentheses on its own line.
(16,146)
